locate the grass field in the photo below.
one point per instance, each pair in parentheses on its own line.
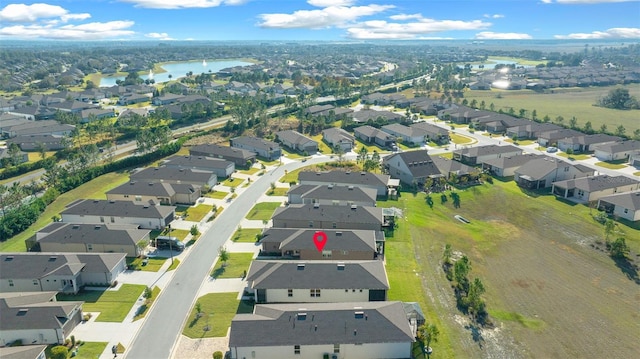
(461,140)
(94,189)
(153,264)
(322,146)
(218,309)
(217,194)
(197,213)
(567,103)
(278,191)
(250,171)
(232,182)
(535,254)
(112,305)
(247,235)
(235,267)
(263,210)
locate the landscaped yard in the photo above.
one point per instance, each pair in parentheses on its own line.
(322,146)
(235,267)
(86,350)
(614,165)
(94,189)
(232,182)
(217,194)
(247,235)
(153,264)
(278,191)
(250,171)
(197,213)
(143,309)
(574,156)
(534,254)
(217,311)
(263,211)
(461,139)
(112,305)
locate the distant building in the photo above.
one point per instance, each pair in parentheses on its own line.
(236,155)
(263,148)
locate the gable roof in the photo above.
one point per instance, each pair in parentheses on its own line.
(360,214)
(334,135)
(419,162)
(629,200)
(60,232)
(345,240)
(487,150)
(617,147)
(279,274)
(32,310)
(541,167)
(294,137)
(430,128)
(186,175)
(446,166)
(324,323)
(116,208)
(344,177)
(34,265)
(255,142)
(22,352)
(511,161)
(329,192)
(597,183)
(224,151)
(404,130)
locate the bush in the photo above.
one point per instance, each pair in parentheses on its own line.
(59,352)
(218,355)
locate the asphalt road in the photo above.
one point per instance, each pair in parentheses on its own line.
(161,330)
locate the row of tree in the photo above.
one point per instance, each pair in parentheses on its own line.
(468,292)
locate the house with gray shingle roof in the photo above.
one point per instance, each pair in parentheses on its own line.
(156,193)
(543,172)
(411,136)
(616,150)
(176,175)
(118,212)
(370,134)
(238,156)
(35,318)
(587,189)
(279,281)
(433,133)
(624,205)
(338,137)
(585,143)
(296,141)
(372,330)
(88,238)
(379,182)
(60,272)
(263,148)
(328,217)
(332,195)
(478,154)
(220,167)
(507,165)
(341,244)
(411,167)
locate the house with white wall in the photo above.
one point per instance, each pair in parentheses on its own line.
(624,205)
(118,212)
(587,189)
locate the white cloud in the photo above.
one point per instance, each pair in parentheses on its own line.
(380,29)
(322,18)
(488,35)
(34,12)
(584,1)
(494,16)
(89,31)
(159,36)
(182,4)
(401,17)
(327,3)
(614,33)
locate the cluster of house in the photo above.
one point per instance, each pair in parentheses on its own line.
(328,301)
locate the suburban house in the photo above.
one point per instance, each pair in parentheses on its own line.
(411,167)
(13,128)
(616,150)
(409,135)
(343,245)
(587,189)
(33,142)
(586,143)
(433,133)
(118,212)
(379,182)
(634,159)
(530,129)
(296,141)
(477,155)
(263,148)
(364,116)
(238,156)
(507,166)
(451,169)
(156,193)
(337,137)
(167,99)
(542,172)
(36,318)
(132,98)
(88,238)
(370,134)
(18,158)
(551,138)
(93,114)
(60,272)
(332,195)
(366,330)
(220,167)
(623,205)
(176,174)
(283,281)
(22,351)
(328,217)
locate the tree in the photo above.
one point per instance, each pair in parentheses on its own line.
(609,227)
(59,352)
(619,99)
(619,248)
(603,128)
(426,334)
(338,150)
(362,154)
(636,134)
(446,255)
(588,128)
(460,271)
(620,130)
(224,255)
(573,122)
(560,120)
(194,230)
(42,149)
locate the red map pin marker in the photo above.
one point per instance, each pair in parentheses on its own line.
(320,239)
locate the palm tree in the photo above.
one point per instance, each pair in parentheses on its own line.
(426,334)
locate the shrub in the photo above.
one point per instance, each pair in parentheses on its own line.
(218,355)
(59,352)
(114,284)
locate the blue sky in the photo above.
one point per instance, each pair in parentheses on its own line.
(336,20)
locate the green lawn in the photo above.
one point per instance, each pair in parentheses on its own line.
(153,264)
(250,171)
(370,147)
(112,305)
(86,350)
(574,156)
(174,265)
(217,194)
(262,211)
(143,309)
(181,234)
(232,182)
(197,213)
(460,139)
(322,146)
(235,267)
(614,165)
(521,142)
(94,189)
(292,155)
(217,311)
(247,235)
(278,191)
(567,103)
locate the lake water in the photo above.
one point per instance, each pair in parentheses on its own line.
(491,63)
(180,69)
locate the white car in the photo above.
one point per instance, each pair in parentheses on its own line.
(552,149)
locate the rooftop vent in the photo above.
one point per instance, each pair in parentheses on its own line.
(52,258)
(363,173)
(350,188)
(358,315)
(316,205)
(97,226)
(75,226)
(348,172)
(301,316)
(8,259)
(340,266)
(301,266)
(330,186)
(338,234)
(353,207)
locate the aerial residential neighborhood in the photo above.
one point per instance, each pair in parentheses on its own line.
(367,198)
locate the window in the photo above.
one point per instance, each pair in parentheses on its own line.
(126,196)
(344,253)
(315,293)
(326,254)
(10,282)
(138,198)
(310,224)
(101,219)
(626,210)
(296,349)
(113,220)
(89,247)
(566,169)
(336,348)
(334,225)
(289,292)
(35,282)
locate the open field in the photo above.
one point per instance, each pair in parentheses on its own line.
(567,103)
(94,189)
(551,291)
(112,305)
(217,311)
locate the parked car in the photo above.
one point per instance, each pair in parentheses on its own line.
(552,149)
(166,242)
